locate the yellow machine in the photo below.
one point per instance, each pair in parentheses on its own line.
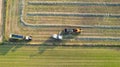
(71,31)
(77,30)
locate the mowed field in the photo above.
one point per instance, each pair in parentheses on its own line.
(1,20)
(97,40)
(99,21)
(58,56)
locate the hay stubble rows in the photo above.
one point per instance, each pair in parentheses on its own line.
(42,27)
(98,37)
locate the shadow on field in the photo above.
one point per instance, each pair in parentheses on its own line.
(18,44)
(54,43)
(115,47)
(51,44)
(8,47)
(44,47)
(15,47)
(4,49)
(48,44)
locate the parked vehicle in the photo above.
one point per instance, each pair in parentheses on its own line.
(20,37)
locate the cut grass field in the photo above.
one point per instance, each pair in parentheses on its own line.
(58,56)
(39,19)
(91,53)
(42,35)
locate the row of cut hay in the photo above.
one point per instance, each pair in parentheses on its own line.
(72,8)
(71,20)
(78,0)
(72,3)
(69,25)
(73,14)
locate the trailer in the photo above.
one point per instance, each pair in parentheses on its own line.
(20,37)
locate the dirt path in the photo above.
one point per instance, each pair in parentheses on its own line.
(0,20)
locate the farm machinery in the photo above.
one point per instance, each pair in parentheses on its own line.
(72,31)
(17,37)
(66,31)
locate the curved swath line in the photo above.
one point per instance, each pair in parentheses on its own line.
(73,3)
(60,25)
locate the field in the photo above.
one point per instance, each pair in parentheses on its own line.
(96,46)
(41,19)
(52,56)
(1,5)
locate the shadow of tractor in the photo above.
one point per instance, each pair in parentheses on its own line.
(50,43)
(53,43)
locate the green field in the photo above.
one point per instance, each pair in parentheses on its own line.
(58,56)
